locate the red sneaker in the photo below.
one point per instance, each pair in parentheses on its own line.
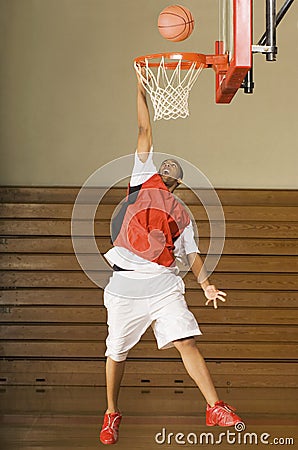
(110,428)
(221,414)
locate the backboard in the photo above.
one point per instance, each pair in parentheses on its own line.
(232,59)
(235,40)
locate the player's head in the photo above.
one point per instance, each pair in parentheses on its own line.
(171,173)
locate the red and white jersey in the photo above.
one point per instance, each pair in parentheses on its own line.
(152,227)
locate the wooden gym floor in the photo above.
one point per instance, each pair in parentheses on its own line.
(69,417)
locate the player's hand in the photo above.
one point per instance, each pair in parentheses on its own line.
(141,72)
(212,294)
(138,70)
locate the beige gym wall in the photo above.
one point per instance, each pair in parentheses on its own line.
(68,95)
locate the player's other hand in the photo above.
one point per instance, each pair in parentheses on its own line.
(141,72)
(212,294)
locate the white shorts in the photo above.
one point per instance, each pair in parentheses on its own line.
(129,318)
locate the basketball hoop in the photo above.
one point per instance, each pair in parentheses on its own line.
(168,88)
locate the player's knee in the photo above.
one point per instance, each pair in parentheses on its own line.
(185,343)
(117,357)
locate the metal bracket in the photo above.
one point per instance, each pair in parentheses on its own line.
(264,49)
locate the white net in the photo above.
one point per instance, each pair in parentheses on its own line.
(168,90)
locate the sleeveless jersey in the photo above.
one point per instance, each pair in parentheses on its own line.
(149,221)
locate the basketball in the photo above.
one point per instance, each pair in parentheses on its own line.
(175,23)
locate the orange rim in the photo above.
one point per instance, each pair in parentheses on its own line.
(187,60)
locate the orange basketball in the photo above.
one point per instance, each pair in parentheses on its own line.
(175,23)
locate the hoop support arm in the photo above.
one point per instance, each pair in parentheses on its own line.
(219,63)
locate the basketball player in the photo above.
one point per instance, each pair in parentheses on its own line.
(151,229)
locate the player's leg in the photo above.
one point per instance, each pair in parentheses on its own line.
(127,321)
(176,326)
(196,367)
(217,412)
(112,417)
(114,375)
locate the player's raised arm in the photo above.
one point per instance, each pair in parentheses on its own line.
(144,124)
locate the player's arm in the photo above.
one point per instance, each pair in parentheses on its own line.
(144,124)
(199,271)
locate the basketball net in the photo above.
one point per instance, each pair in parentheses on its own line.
(168,90)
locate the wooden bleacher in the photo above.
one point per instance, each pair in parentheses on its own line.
(53,322)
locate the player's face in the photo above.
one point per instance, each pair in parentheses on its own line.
(169,171)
